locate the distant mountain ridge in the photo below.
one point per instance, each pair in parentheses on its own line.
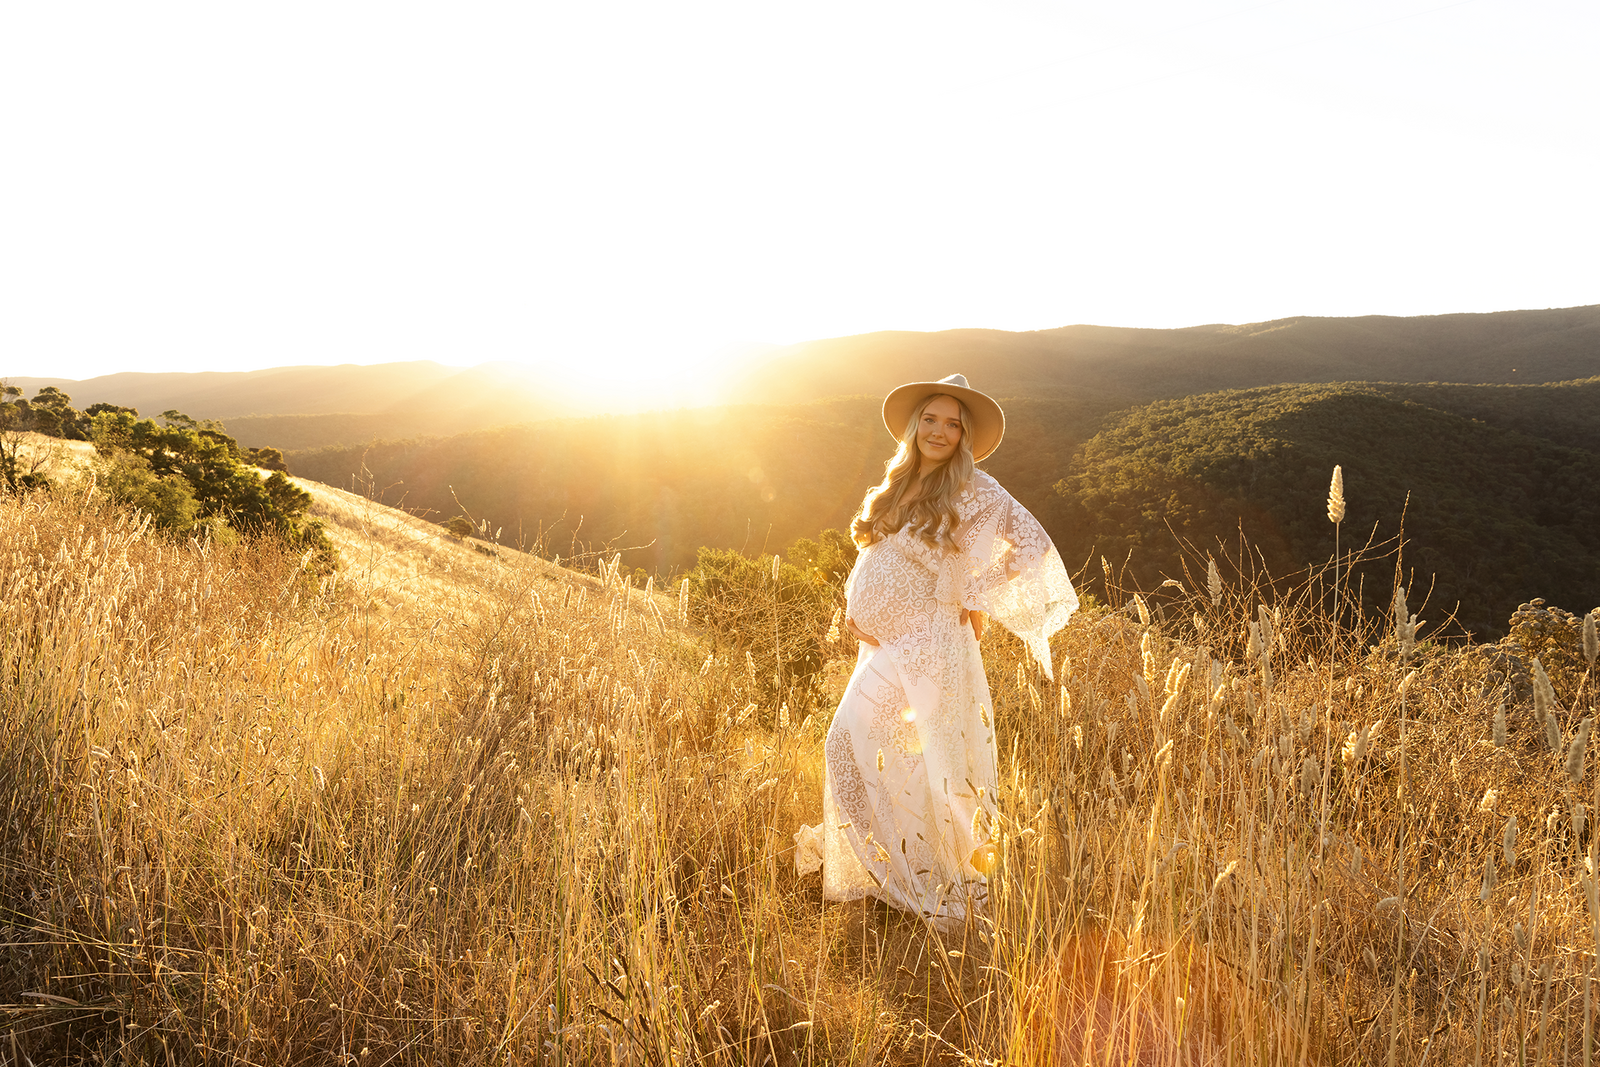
(308,407)
(1104,367)
(274,391)
(1124,365)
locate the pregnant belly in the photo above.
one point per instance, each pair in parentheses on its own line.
(888,594)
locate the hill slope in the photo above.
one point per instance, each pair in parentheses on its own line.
(1492,515)
(1498,505)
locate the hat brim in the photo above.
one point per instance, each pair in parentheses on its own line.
(989,422)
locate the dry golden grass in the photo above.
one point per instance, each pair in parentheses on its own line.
(452,808)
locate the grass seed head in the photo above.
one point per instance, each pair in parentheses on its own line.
(1552,734)
(1310,774)
(1544,694)
(1336,497)
(1405,624)
(1575,751)
(1591,637)
(1214,582)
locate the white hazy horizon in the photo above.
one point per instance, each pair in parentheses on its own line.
(633,197)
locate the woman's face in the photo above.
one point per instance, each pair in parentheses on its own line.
(939,430)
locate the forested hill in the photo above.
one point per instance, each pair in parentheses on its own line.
(1500,480)
(1131,365)
(1492,516)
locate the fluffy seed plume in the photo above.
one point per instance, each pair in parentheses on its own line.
(1224,876)
(1405,624)
(1544,706)
(775,564)
(1544,694)
(1591,637)
(1575,752)
(1214,582)
(1177,674)
(1336,496)
(1310,774)
(1500,726)
(1508,842)
(1489,879)
(1233,730)
(1352,744)
(1142,608)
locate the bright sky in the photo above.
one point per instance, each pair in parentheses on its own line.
(632,193)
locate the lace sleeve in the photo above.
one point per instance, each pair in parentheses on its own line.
(1011,571)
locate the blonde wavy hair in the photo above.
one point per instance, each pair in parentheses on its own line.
(930,509)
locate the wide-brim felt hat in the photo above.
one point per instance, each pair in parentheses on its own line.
(988,421)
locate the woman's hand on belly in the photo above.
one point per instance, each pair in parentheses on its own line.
(977,618)
(864,638)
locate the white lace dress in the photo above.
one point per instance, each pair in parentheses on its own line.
(909,801)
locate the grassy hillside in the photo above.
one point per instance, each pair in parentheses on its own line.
(448,808)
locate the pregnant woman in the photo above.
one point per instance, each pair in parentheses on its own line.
(909,801)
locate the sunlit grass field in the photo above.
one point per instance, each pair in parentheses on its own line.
(442,806)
